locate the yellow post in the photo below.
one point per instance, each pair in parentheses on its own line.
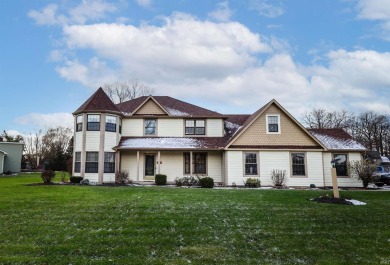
(334,182)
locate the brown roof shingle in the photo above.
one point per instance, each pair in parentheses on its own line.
(99,102)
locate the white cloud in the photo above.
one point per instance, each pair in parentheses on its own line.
(144,3)
(376,10)
(51,120)
(266,9)
(222,13)
(87,10)
(47,16)
(182,47)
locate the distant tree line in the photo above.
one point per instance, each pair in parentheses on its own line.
(369,128)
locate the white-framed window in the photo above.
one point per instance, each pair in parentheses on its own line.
(298,164)
(250,161)
(93,122)
(77,162)
(110,123)
(109,162)
(195,127)
(273,123)
(150,127)
(92,162)
(79,123)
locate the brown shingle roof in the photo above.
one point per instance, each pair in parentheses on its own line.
(172,106)
(336,139)
(99,102)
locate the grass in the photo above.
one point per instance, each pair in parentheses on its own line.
(157,225)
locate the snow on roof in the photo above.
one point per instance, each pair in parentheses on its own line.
(385,159)
(175,112)
(160,143)
(336,139)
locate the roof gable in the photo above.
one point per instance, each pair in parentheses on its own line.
(253,133)
(150,107)
(98,102)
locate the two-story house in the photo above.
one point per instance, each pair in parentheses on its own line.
(153,135)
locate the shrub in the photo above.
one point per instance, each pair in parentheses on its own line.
(122,177)
(8,172)
(47,176)
(84,182)
(312,186)
(187,181)
(206,182)
(161,179)
(278,177)
(364,171)
(252,183)
(69,166)
(75,180)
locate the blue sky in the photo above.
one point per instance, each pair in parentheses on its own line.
(228,56)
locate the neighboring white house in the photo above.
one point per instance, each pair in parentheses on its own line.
(153,135)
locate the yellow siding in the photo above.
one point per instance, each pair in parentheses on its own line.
(78,141)
(132,127)
(129,164)
(291,133)
(170,127)
(234,168)
(109,141)
(150,107)
(215,166)
(214,127)
(92,141)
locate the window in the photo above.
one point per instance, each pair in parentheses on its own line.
(341,165)
(187,163)
(93,123)
(195,127)
(273,124)
(250,164)
(79,123)
(199,163)
(109,162)
(77,162)
(298,164)
(150,127)
(120,126)
(110,123)
(92,162)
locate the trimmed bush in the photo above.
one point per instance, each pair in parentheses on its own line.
(75,180)
(84,182)
(161,179)
(252,183)
(122,177)
(47,176)
(187,181)
(206,182)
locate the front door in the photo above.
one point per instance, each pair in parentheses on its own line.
(149,167)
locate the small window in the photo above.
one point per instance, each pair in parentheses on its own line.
(298,164)
(195,127)
(187,163)
(250,164)
(77,162)
(341,165)
(79,123)
(120,126)
(92,162)
(93,123)
(199,163)
(109,162)
(110,123)
(150,127)
(273,124)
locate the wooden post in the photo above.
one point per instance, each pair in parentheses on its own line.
(334,183)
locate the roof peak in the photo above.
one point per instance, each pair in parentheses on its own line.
(99,102)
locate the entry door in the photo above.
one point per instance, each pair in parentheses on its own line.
(150,162)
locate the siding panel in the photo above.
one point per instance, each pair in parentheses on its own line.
(214,127)
(170,127)
(92,141)
(132,127)
(234,168)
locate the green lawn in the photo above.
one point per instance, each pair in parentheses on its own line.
(155,225)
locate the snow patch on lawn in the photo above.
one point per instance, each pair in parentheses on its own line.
(356,202)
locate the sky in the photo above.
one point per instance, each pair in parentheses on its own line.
(227,56)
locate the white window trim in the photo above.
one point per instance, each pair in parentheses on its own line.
(257,163)
(279,125)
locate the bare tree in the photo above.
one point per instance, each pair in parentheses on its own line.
(119,92)
(323,119)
